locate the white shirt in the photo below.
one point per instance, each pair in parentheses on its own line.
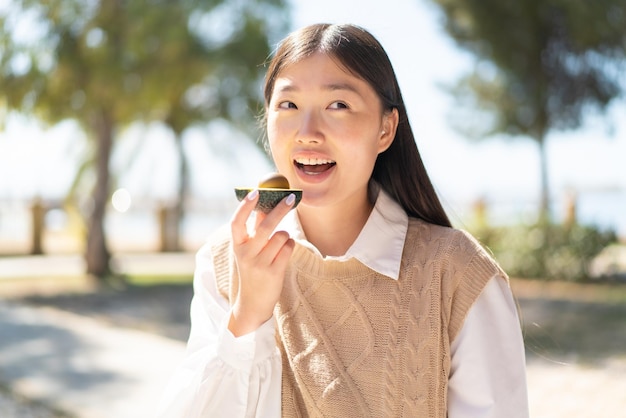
(224,376)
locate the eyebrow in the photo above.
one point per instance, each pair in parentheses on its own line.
(328,87)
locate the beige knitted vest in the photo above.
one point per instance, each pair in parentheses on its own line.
(359,344)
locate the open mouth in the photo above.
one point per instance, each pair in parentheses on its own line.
(314,166)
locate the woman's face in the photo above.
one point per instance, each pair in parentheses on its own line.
(325,128)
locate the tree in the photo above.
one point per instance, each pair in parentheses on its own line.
(110,62)
(542,65)
(228,77)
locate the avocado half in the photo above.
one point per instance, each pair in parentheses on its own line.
(269,197)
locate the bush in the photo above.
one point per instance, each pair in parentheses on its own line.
(547,251)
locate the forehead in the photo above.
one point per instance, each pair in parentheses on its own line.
(319,70)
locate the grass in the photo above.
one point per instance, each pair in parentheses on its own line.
(568,322)
(590,291)
(152,280)
(564,322)
(566,332)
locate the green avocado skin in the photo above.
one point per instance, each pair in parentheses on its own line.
(269,198)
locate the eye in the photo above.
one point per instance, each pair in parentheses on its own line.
(287,105)
(338,105)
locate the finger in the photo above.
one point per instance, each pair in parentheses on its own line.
(284,254)
(238,223)
(258,218)
(266,225)
(274,246)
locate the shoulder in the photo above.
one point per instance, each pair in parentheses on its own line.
(463,266)
(451,245)
(432,232)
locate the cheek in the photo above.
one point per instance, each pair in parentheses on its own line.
(275,141)
(276,128)
(278,149)
(365,154)
(365,147)
(279,133)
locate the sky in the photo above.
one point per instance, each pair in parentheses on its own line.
(35,161)
(425,58)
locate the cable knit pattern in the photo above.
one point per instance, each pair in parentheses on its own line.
(359,344)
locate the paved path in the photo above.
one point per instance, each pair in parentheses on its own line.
(92,370)
(574,391)
(82,366)
(16,407)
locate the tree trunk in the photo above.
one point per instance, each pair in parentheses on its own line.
(38,214)
(97,256)
(183,186)
(171,217)
(544,202)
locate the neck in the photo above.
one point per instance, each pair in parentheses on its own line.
(332,230)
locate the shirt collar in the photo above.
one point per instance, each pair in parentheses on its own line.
(380,244)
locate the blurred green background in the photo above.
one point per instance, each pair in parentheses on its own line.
(125,126)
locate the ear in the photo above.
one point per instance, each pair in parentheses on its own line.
(388,130)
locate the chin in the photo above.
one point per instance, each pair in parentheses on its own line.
(317,200)
(309,197)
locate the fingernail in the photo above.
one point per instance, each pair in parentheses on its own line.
(253,194)
(290,199)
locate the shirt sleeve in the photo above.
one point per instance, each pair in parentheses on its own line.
(222,375)
(488,371)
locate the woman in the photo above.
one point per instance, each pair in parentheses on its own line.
(363,301)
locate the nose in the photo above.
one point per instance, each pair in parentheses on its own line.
(310,130)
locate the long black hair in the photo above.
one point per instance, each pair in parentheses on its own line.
(399,170)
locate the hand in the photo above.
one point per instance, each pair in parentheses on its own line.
(262,256)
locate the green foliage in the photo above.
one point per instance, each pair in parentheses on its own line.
(546,251)
(108,63)
(178,62)
(541,65)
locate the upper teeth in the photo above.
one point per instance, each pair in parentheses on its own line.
(313,161)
